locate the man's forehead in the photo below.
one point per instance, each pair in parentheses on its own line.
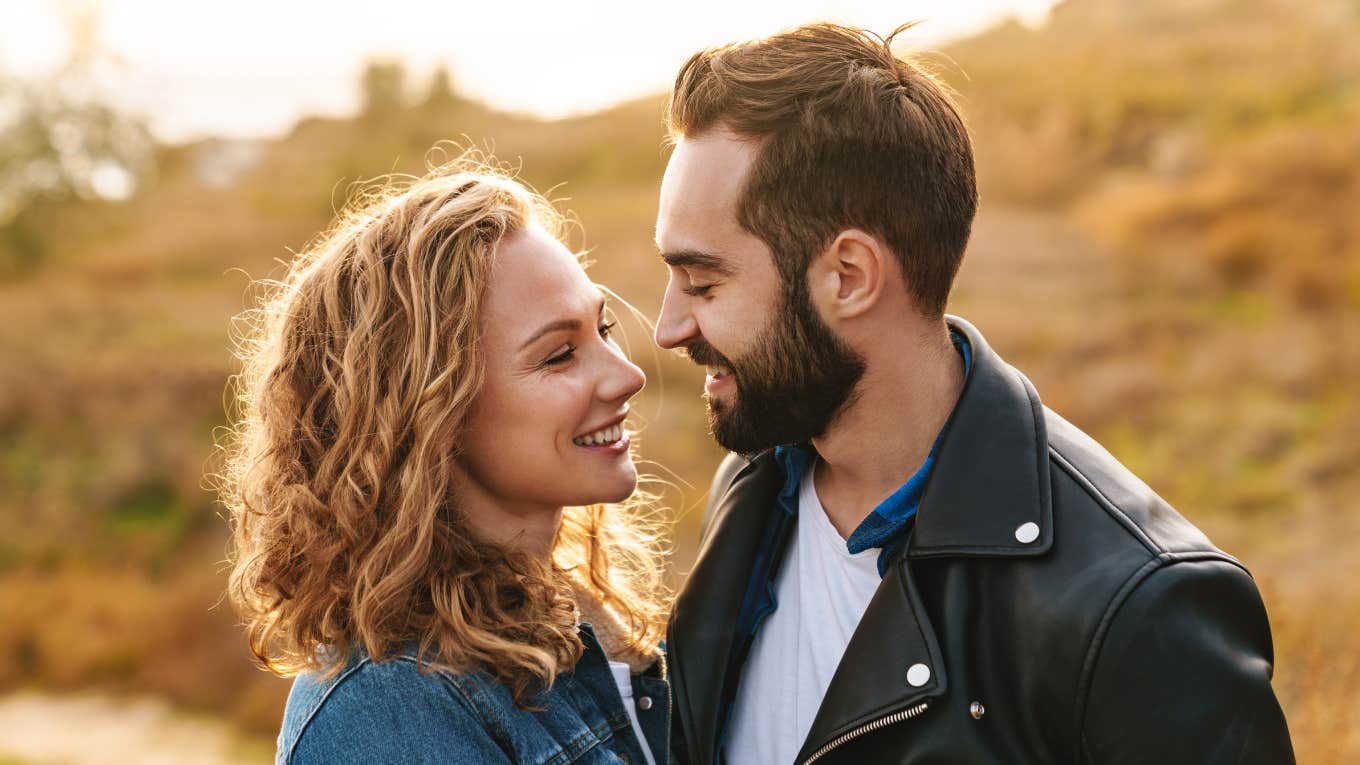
(700,190)
(712,164)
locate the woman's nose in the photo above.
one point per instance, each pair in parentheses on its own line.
(624,378)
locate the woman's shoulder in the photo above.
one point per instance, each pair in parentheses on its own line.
(395,710)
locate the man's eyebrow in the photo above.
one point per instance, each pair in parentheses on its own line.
(696,259)
(557,326)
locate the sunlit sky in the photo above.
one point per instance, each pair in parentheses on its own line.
(251,68)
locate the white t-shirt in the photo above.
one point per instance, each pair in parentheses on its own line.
(624,680)
(821,591)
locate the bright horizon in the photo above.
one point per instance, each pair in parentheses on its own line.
(193,71)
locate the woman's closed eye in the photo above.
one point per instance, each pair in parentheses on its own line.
(569,351)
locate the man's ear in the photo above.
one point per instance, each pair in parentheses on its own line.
(847,278)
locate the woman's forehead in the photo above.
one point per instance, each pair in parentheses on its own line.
(535,278)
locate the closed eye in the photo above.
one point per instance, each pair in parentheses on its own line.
(560,358)
(570,351)
(697,290)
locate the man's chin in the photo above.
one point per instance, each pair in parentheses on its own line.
(731,435)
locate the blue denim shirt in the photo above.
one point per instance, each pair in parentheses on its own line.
(391,712)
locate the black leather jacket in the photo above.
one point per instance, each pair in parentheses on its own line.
(1116,634)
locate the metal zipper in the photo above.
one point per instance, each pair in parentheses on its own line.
(670,717)
(895,717)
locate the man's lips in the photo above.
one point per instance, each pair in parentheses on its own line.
(717,379)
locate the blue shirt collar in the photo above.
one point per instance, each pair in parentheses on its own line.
(887,526)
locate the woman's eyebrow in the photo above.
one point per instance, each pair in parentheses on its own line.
(552,326)
(558,325)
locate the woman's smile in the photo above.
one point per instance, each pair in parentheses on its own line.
(609,438)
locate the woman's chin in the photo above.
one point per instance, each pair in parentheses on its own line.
(616,490)
(624,491)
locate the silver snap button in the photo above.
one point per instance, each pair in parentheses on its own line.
(977,710)
(918,675)
(645,703)
(1028,532)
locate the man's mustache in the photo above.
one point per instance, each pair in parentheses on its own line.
(703,354)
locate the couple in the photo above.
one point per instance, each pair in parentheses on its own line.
(907,558)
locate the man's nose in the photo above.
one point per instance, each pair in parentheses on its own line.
(676,326)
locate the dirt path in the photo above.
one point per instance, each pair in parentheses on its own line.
(43,729)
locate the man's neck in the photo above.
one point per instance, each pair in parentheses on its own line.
(885,434)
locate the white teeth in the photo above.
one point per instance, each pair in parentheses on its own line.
(607,436)
(716,372)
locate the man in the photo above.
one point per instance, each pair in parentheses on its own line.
(914,561)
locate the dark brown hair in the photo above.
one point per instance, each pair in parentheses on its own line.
(851,136)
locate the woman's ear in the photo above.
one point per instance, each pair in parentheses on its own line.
(847,278)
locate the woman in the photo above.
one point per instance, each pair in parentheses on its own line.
(433,431)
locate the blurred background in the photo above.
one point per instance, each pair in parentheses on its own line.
(1168,245)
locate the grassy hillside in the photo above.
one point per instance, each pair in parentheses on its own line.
(1167,247)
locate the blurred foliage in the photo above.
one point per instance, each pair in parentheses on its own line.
(61,138)
(1167,247)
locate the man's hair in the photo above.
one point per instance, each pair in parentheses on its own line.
(851,136)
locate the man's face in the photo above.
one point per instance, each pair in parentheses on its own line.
(776,373)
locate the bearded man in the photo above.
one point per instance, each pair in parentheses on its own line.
(908,558)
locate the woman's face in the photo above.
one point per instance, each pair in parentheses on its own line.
(546,430)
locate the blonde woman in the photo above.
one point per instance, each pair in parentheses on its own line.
(425,491)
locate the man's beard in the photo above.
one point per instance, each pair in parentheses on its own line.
(789,387)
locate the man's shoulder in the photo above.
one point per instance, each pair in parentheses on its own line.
(1092,489)
(731,466)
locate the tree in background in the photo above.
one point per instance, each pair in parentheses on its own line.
(441,92)
(383,89)
(61,136)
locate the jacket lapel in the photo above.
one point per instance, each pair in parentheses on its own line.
(703,619)
(893,662)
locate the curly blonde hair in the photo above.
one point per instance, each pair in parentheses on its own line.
(359,368)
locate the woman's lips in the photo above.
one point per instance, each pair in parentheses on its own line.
(611,448)
(611,439)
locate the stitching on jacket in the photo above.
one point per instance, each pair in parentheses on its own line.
(1121,597)
(1098,641)
(311,713)
(499,734)
(1210,553)
(575,748)
(1110,507)
(1041,442)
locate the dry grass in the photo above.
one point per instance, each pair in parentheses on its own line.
(1187,290)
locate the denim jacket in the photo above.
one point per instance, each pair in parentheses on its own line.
(390,712)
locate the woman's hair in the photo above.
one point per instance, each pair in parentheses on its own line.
(359,369)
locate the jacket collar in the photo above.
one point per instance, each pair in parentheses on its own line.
(989,494)
(703,619)
(990,480)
